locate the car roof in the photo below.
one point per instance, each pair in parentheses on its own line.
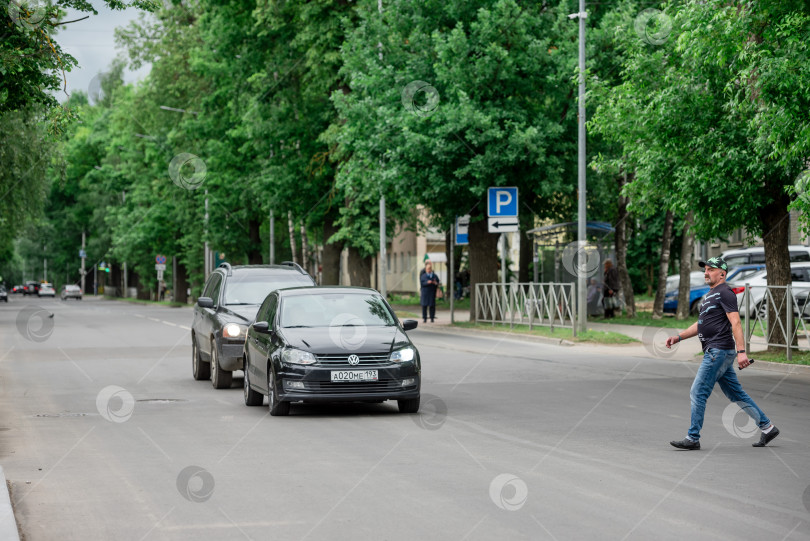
(757,249)
(316,290)
(267,270)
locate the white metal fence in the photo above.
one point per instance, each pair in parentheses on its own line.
(758,301)
(547,304)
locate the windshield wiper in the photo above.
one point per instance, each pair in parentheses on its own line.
(241,303)
(297,327)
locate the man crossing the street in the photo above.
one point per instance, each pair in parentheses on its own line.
(720,332)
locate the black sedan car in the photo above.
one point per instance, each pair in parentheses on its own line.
(230,300)
(330,344)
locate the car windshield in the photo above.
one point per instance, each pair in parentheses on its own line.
(335,310)
(253,289)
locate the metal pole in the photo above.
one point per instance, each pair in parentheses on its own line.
(451,280)
(45,266)
(789,337)
(747,298)
(126,293)
(272,238)
(581,222)
(383,265)
(503,260)
(83,258)
(207,256)
(95,278)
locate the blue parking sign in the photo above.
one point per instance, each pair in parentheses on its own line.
(502,201)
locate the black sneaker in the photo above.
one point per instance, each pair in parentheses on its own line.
(765,439)
(687,444)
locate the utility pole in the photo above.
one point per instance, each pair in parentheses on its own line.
(581,218)
(383,255)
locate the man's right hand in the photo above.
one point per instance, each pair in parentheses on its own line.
(672,340)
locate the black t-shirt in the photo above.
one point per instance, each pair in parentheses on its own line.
(714,328)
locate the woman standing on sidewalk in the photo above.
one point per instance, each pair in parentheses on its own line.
(430,283)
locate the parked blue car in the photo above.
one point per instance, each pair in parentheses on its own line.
(696,293)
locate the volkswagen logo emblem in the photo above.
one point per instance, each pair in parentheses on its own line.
(354,359)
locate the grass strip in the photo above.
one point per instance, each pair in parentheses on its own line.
(598,337)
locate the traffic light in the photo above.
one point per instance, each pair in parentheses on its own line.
(107,269)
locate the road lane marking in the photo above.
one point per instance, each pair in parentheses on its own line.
(184,327)
(169,323)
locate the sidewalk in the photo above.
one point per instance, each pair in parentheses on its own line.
(651,339)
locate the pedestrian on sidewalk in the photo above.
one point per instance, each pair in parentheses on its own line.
(718,327)
(430,283)
(610,289)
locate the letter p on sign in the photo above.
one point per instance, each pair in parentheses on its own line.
(502,202)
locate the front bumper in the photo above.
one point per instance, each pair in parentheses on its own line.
(319,387)
(231,355)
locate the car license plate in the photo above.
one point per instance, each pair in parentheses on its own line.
(354,375)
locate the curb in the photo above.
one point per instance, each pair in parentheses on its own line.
(498,334)
(8,524)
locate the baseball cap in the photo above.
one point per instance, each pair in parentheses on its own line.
(715,262)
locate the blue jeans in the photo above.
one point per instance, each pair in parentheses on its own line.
(718,367)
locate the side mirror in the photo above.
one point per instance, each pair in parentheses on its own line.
(262,327)
(409,324)
(205,302)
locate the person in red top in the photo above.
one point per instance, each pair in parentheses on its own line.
(719,330)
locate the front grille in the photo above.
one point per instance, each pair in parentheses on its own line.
(342,360)
(358,387)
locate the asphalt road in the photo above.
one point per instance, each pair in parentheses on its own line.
(105,435)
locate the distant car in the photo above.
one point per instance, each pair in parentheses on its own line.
(46,290)
(330,344)
(696,279)
(800,285)
(756,254)
(31,288)
(3,294)
(18,289)
(229,302)
(71,291)
(696,293)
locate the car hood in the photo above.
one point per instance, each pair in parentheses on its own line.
(336,340)
(239,313)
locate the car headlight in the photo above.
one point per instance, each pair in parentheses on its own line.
(232,330)
(402,355)
(297,356)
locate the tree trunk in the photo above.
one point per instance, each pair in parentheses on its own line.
(776,224)
(331,251)
(305,262)
(687,251)
(181,295)
(660,291)
(526,253)
(291,228)
(621,250)
(359,268)
(255,244)
(483,258)
(449,253)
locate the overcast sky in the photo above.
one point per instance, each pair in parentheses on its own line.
(92,43)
